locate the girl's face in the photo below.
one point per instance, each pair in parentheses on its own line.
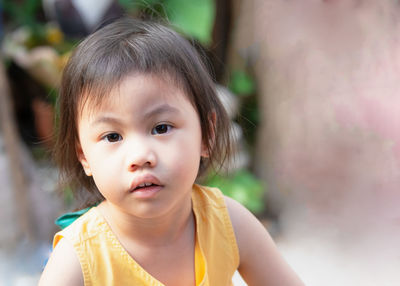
(142,146)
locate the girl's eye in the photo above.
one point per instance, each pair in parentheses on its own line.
(112,137)
(161,129)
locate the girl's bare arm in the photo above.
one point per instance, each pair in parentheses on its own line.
(260,261)
(63,267)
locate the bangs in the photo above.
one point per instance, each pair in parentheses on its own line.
(107,63)
(98,93)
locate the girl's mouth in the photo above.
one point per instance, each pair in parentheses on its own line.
(144,186)
(146,191)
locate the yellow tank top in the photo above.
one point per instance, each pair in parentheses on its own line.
(105,262)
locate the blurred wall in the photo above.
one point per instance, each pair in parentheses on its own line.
(328,74)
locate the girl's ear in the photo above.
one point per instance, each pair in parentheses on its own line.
(204,147)
(82,160)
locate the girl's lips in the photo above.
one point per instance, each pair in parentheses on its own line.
(147,192)
(143,181)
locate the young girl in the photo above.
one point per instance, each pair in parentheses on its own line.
(139,122)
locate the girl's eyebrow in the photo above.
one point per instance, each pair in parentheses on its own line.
(164,108)
(104,120)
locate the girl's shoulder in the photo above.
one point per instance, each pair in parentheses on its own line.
(260,261)
(63,267)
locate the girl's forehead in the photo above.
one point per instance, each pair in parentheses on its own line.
(138,89)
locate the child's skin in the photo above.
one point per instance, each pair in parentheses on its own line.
(147,131)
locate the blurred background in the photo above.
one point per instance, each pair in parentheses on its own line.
(312,89)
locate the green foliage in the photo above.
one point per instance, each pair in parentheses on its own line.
(22,12)
(249,119)
(194,18)
(242,186)
(138,5)
(241,83)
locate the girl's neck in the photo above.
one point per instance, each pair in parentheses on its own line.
(149,232)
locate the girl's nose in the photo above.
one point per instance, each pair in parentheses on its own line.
(139,156)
